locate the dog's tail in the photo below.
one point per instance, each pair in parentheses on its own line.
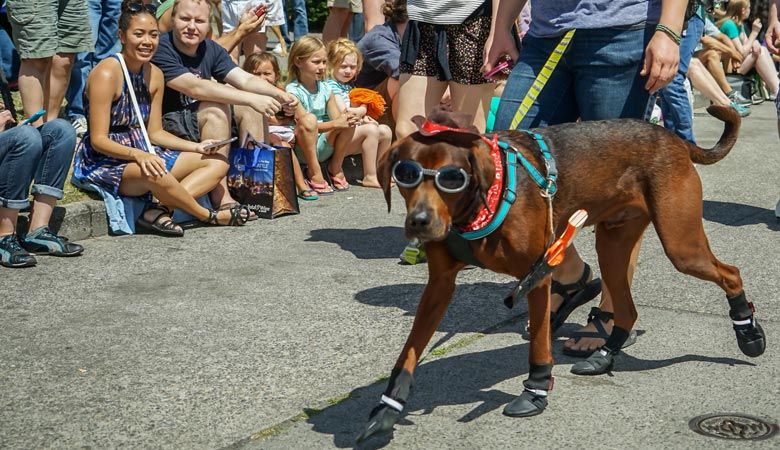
(722,148)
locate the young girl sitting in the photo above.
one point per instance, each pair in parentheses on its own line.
(339,135)
(344,63)
(304,134)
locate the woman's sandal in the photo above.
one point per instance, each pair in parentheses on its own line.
(159,225)
(308,195)
(339,182)
(229,206)
(320,188)
(598,317)
(236,216)
(574,295)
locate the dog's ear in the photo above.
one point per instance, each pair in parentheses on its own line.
(386,163)
(482,168)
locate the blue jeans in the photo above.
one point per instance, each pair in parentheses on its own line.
(598,78)
(103,17)
(300,19)
(43,154)
(678,115)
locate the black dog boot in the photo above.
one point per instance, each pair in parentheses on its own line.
(750,336)
(391,405)
(602,360)
(533,400)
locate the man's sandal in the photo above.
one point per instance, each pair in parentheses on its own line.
(598,318)
(574,295)
(159,224)
(239,214)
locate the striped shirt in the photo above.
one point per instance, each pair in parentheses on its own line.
(445,12)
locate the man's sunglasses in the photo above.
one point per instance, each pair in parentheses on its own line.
(448,179)
(138,7)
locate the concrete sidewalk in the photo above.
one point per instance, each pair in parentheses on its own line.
(275,335)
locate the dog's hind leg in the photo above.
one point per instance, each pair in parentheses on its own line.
(442,271)
(615,245)
(533,400)
(678,221)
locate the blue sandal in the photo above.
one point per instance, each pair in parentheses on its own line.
(308,195)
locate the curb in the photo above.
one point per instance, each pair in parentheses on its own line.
(87,218)
(77,220)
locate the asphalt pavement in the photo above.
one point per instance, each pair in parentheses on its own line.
(278,335)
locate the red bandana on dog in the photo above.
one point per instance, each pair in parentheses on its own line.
(493,195)
(486,212)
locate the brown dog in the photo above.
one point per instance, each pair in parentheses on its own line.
(625,173)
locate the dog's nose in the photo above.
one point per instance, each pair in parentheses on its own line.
(420,219)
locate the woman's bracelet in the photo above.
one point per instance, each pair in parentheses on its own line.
(669,32)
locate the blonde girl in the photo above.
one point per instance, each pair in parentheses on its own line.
(344,63)
(338,136)
(281,133)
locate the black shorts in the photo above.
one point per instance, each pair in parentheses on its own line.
(183,123)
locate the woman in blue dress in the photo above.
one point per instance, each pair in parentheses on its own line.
(113,153)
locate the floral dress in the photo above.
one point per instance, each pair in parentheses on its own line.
(94,167)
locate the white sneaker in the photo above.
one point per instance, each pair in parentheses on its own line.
(777,210)
(80,125)
(277,50)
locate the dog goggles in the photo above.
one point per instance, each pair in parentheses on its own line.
(448,179)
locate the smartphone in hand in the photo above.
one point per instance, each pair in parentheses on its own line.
(219,143)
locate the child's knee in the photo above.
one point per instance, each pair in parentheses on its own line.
(385,132)
(307,122)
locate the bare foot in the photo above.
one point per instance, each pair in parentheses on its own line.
(590,343)
(370,181)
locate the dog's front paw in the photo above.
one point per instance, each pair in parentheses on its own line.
(526,405)
(380,422)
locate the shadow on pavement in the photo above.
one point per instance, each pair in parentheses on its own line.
(461,380)
(372,243)
(736,214)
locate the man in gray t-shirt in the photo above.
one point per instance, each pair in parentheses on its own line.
(553,18)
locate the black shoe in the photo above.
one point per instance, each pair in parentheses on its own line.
(600,362)
(43,241)
(750,338)
(526,405)
(13,255)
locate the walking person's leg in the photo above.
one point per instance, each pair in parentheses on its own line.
(677,110)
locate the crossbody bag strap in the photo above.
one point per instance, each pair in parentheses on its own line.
(541,79)
(136,109)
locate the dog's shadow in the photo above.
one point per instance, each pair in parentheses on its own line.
(462,380)
(474,307)
(372,243)
(737,215)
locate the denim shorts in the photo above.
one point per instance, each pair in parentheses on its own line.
(42,28)
(597,78)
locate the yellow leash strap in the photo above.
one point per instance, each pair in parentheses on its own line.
(541,79)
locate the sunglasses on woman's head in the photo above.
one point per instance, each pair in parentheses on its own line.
(448,179)
(138,7)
